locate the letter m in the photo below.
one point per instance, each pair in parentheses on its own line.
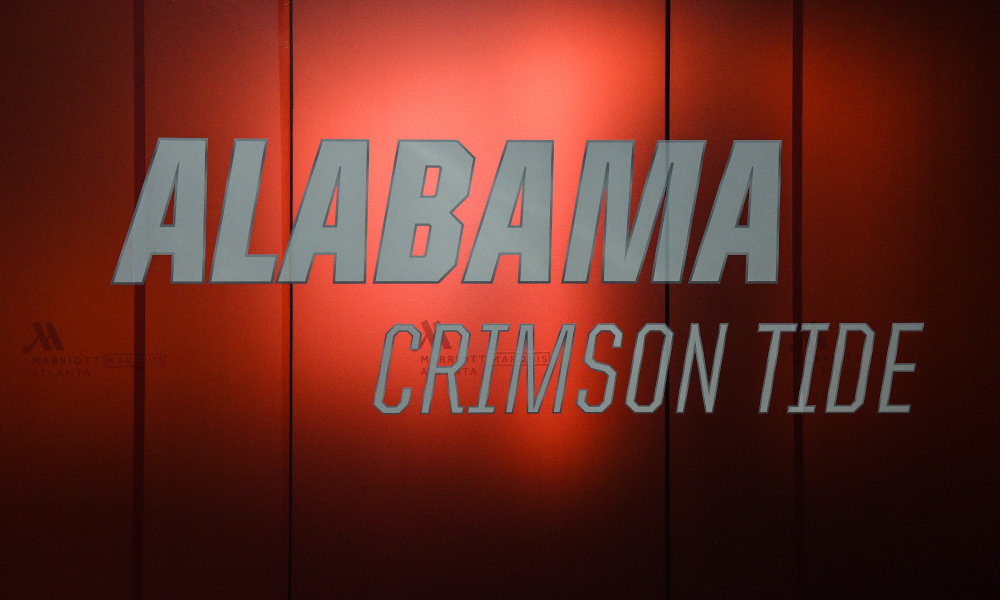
(47,337)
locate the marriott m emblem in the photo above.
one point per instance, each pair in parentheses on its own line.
(47,337)
(428,336)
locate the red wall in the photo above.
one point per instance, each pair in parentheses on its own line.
(266,469)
